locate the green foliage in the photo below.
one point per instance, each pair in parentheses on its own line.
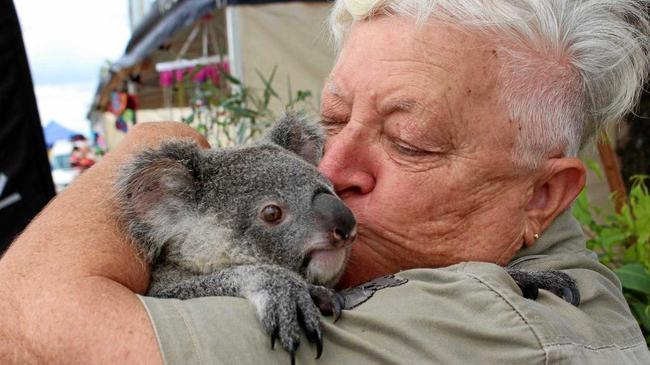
(232,113)
(622,242)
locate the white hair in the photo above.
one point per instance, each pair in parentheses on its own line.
(573,66)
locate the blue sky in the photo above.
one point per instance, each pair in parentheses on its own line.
(67,42)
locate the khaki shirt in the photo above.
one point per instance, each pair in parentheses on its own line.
(469,313)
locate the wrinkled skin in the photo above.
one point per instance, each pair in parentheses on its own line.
(419,147)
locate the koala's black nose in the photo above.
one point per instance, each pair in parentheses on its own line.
(335,218)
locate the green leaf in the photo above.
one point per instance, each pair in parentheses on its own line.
(244,112)
(290,102)
(302,95)
(612,236)
(230,78)
(241,133)
(595,167)
(634,277)
(640,311)
(268,87)
(581,210)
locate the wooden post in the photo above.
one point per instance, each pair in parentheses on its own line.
(612,171)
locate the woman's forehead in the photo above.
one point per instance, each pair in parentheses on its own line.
(444,84)
(431,58)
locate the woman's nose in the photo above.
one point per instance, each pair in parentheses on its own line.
(347,163)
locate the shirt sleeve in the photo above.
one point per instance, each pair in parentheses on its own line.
(470,313)
(439,316)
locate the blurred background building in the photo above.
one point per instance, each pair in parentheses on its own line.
(172,39)
(137,10)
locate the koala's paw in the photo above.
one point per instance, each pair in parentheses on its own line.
(557,282)
(285,312)
(327,300)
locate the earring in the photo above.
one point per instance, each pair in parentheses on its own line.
(536,236)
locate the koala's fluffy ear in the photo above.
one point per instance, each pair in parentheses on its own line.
(155,189)
(164,173)
(300,136)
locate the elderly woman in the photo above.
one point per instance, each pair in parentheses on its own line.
(452,133)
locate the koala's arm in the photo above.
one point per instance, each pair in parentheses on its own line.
(246,281)
(68,284)
(285,303)
(557,282)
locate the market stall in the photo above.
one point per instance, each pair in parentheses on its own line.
(201,39)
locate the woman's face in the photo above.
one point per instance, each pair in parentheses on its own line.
(419,147)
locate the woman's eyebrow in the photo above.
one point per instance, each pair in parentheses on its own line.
(331,87)
(334,91)
(399,104)
(333,97)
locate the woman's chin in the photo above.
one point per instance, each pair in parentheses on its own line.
(326,266)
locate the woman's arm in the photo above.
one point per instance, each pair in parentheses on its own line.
(68,283)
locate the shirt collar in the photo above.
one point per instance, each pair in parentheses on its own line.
(563,235)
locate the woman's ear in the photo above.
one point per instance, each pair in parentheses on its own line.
(559,183)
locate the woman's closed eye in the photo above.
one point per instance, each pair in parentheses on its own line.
(408,149)
(411,157)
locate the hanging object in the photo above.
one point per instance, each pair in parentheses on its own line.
(210,68)
(195,82)
(124,105)
(121,125)
(118,102)
(207,68)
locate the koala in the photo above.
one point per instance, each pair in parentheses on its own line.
(258,222)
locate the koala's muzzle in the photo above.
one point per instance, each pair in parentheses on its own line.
(335,218)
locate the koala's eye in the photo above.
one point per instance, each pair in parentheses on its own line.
(271,213)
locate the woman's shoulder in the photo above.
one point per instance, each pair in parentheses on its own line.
(467,313)
(600,330)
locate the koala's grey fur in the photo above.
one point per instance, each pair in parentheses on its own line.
(194,215)
(557,282)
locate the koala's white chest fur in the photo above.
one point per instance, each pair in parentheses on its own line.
(204,246)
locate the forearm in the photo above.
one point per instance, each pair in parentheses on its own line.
(68,283)
(89,320)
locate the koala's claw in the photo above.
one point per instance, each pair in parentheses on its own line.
(529,291)
(317,338)
(319,345)
(274,336)
(569,293)
(328,301)
(286,313)
(293,356)
(338,307)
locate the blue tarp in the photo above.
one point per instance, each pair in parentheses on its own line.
(56,132)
